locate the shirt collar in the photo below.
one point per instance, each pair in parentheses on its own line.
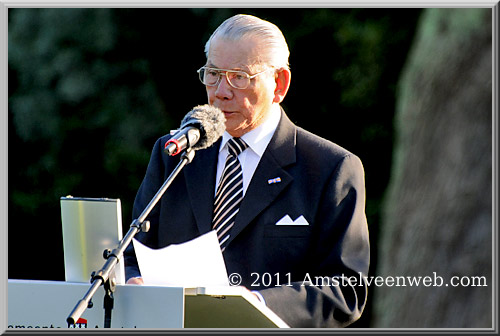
(258,138)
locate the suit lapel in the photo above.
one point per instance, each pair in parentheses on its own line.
(260,194)
(200,182)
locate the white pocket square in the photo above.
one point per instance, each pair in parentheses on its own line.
(286,220)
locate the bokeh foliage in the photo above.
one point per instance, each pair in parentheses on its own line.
(91,89)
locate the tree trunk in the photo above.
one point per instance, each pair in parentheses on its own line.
(438,211)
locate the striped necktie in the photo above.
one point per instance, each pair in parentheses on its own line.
(229,192)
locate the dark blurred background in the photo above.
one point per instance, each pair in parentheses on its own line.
(90,90)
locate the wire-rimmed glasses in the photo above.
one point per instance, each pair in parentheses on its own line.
(238,79)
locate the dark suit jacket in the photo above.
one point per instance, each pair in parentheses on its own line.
(319,180)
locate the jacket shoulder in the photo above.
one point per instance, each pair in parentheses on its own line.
(320,149)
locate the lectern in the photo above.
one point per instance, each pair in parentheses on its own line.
(45,304)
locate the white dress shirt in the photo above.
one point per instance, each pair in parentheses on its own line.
(257,141)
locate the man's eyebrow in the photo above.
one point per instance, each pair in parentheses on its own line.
(211,65)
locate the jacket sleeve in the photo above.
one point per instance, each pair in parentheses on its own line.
(334,291)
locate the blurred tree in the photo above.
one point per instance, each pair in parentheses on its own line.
(438,211)
(83,109)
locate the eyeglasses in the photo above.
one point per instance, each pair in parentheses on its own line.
(236,78)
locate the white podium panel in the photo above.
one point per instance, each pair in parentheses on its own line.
(47,304)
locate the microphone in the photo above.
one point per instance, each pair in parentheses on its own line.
(200,128)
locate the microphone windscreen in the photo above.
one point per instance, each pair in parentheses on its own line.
(211,122)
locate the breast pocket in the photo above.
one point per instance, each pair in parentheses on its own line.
(286,231)
(286,248)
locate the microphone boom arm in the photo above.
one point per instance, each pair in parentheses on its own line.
(102,276)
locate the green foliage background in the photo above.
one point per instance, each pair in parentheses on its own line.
(91,89)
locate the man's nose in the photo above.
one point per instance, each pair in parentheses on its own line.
(224,89)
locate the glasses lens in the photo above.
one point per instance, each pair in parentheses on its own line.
(238,79)
(209,76)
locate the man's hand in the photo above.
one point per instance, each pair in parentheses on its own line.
(135,281)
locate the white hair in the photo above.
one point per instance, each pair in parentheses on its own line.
(242,25)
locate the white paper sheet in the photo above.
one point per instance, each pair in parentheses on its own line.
(196,263)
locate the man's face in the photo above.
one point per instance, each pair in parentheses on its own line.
(244,109)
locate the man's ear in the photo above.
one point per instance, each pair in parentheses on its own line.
(282,77)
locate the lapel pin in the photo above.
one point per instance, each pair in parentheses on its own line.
(274,180)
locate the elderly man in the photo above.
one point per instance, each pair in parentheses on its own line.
(285,203)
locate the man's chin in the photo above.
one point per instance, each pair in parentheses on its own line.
(233,127)
(235,132)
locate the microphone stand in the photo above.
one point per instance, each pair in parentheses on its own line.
(112,257)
